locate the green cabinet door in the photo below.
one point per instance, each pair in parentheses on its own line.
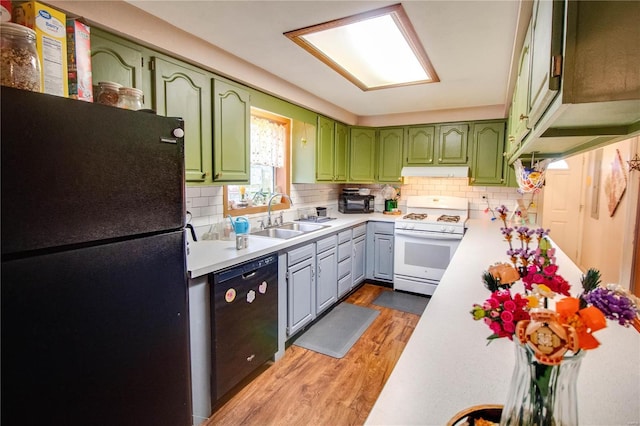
(117,60)
(419,145)
(389,153)
(183,91)
(232,134)
(488,153)
(325,150)
(340,165)
(452,144)
(519,123)
(362,155)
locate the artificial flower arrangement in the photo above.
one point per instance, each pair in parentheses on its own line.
(546,337)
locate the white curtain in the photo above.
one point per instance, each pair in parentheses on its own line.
(267,142)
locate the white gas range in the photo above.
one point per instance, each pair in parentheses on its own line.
(426,239)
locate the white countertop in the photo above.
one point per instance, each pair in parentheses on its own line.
(447,365)
(209,256)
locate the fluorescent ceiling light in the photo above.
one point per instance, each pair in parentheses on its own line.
(373,50)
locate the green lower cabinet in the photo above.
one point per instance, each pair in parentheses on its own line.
(231,133)
(389,151)
(488,153)
(419,146)
(452,144)
(362,157)
(181,91)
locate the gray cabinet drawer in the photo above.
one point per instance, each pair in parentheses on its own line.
(344,236)
(382,227)
(344,251)
(344,268)
(325,244)
(361,230)
(300,254)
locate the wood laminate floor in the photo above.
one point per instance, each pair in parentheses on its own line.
(308,388)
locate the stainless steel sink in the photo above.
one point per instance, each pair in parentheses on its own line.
(289,230)
(283,234)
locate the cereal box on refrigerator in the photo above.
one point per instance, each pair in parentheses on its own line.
(79,60)
(51,41)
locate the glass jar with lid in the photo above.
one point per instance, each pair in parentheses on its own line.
(108,93)
(19,63)
(130,98)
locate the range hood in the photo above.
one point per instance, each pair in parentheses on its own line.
(436,171)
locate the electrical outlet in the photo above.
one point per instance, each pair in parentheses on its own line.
(485,197)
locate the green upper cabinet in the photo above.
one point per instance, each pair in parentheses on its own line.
(518,122)
(546,56)
(340,166)
(232,132)
(488,153)
(362,158)
(117,60)
(325,149)
(419,145)
(183,91)
(389,153)
(452,143)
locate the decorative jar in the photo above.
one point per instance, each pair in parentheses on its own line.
(130,98)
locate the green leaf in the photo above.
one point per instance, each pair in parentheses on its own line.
(490,282)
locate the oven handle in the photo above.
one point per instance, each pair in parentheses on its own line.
(428,236)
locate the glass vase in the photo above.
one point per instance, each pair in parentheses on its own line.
(542,395)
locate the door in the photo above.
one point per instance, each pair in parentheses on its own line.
(389,151)
(341,162)
(327,280)
(423,255)
(419,146)
(383,257)
(97,335)
(358,260)
(231,133)
(452,144)
(301,295)
(116,60)
(488,153)
(362,155)
(562,206)
(182,91)
(325,153)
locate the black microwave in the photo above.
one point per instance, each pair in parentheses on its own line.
(355,203)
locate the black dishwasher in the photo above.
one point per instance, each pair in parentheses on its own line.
(244,301)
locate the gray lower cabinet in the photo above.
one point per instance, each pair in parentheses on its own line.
(359,251)
(326,273)
(345,262)
(301,294)
(380,259)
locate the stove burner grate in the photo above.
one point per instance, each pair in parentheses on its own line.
(415,216)
(448,218)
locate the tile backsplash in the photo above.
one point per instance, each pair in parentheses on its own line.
(206,206)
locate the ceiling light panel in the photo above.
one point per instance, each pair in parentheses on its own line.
(373,50)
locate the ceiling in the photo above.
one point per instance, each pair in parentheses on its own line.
(469,42)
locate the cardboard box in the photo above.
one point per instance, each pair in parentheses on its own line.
(50,26)
(79,60)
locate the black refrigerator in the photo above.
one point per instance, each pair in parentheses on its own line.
(94,317)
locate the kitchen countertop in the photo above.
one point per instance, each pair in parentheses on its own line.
(447,365)
(212,255)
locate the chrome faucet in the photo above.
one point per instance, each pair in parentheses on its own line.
(269,224)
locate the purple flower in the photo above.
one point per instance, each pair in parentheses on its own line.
(614,306)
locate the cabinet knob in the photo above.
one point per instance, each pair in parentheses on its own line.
(523,117)
(178,133)
(473,179)
(439,159)
(512,138)
(504,154)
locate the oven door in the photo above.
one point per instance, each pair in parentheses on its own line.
(421,258)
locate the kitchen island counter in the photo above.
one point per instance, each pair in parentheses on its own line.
(447,365)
